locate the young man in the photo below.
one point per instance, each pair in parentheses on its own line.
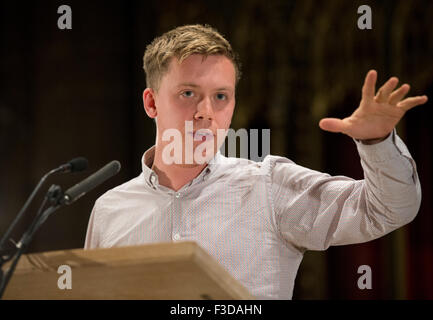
(256,218)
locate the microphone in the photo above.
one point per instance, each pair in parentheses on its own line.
(80,189)
(75,165)
(58,199)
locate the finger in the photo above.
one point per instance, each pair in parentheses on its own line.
(332,125)
(409,103)
(384,91)
(369,86)
(398,94)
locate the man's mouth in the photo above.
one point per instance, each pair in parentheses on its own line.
(201,135)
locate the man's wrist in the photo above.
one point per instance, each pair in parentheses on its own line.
(379,151)
(374,141)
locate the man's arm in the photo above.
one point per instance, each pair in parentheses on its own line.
(315,210)
(92,238)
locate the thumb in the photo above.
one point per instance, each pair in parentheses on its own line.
(332,124)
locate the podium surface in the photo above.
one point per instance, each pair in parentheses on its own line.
(181,270)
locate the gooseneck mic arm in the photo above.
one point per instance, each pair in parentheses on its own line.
(75,165)
(57,199)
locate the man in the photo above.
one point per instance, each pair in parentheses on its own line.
(256,218)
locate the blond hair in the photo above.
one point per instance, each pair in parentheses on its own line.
(181,43)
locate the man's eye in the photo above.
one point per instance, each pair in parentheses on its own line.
(188,94)
(221,96)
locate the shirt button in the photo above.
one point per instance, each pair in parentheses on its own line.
(176,237)
(177,195)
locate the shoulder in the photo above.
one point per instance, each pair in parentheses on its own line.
(275,170)
(239,167)
(268,161)
(115,196)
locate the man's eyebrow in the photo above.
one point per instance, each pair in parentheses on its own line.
(188,84)
(224,89)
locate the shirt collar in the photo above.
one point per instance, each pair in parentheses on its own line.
(146,163)
(151,177)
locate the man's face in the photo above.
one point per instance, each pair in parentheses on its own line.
(199,90)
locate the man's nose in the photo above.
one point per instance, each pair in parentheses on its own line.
(204,110)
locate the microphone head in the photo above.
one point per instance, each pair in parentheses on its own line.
(78,164)
(80,189)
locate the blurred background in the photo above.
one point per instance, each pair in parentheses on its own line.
(68,93)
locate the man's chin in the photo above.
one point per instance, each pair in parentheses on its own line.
(199,158)
(198,154)
(201,153)
(190,166)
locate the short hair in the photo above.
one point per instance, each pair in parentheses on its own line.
(182,42)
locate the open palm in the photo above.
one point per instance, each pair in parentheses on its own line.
(377,115)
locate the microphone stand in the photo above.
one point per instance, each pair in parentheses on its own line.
(5,237)
(56,197)
(75,165)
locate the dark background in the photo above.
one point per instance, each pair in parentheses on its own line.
(65,93)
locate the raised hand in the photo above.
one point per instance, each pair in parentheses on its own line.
(377,115)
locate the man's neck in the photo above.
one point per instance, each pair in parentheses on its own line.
(174,176)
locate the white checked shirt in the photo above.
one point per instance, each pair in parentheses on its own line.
(258,218)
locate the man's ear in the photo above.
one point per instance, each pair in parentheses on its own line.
(149,102)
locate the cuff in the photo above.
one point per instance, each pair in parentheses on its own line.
(381,151)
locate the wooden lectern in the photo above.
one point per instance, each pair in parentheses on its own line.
(180,270)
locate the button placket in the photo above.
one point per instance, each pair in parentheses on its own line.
(177,217)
